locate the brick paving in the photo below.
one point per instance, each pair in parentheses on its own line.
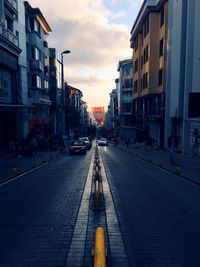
(75,256)
(118,254)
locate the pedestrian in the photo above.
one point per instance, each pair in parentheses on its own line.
(34,144)
(195,145)
(172,144)
(127,141)
(61,144)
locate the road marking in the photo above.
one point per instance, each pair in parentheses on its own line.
(20,175)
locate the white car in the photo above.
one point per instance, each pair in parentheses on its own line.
(102,142)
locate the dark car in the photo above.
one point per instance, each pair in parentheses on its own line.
(87,141)
(78,147)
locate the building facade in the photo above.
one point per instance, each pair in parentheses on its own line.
(125,98)
(56,92)
(183,87)
(37,30)
(149,43)
(74,106)
(10,91)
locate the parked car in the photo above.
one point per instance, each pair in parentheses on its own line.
(77,146)
(87,141)
(102,142)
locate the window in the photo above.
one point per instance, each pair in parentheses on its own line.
(35,26)
(160,77)
(146,55)
(59,74)
(146,27)
(135,86)
(36,81)
(162,17)
(136,43)
(145,81)
(161,49)
(9,23)
(5,86)
(194,100)
(141,61)
(136,66)
(36,53)
(46,85)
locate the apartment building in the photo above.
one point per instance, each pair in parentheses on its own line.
(125,98)
(183,73)
(10,91)
(56,92)
(149,44)
(73,107)
(111,114)
(37,30)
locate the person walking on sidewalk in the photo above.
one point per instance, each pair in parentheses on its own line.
(172,144)
(34,144)
(127,141)
(195,146)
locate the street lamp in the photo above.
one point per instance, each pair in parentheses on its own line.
(63,91)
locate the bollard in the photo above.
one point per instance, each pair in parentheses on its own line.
(100,248)
(97,196)
(15,171)
(161,164)
(178,170)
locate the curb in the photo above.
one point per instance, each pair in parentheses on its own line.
(31,167)
(159,165)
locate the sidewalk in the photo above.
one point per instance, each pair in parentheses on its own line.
(186,166)
(12,165)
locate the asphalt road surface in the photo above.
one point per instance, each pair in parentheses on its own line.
(159,213)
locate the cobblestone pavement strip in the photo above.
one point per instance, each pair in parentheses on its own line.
(117,249)
(158,214)
(39,211)
(76,252)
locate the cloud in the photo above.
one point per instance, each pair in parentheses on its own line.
(86,79)
(120,14)
(84,27)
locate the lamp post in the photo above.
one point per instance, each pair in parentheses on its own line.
(63,92)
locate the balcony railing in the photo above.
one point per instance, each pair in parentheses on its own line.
(37,65)
(9,36)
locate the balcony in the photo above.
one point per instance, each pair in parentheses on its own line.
(12,6)
(36,65)
(9,36)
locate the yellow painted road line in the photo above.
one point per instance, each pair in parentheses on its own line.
(100,248)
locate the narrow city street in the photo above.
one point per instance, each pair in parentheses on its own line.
(151,217)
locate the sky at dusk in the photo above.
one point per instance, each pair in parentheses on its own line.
(97,32)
